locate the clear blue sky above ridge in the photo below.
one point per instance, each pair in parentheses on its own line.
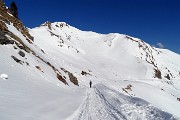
(154,21)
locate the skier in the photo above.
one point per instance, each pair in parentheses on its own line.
(90,83)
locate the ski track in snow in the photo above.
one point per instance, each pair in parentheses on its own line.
(103,103)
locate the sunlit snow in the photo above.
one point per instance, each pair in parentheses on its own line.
(121,68)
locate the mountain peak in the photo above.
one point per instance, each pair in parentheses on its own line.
(55,24)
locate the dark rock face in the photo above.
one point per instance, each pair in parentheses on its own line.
(39,68)
(5,17)
(16,59)
(157,73)
(73,79)
(4,40)
(2,35)
(61,79)
(85,73)
(21,53)
(168,77)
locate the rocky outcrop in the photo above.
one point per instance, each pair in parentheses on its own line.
(61,79)
(72,78)
(47,24)
(21,53)
(7,18)
(157,74)
(16,59)
(4,40)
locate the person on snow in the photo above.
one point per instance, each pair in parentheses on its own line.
(90,83)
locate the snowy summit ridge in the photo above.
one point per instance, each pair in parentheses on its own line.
(112,45)
(45,74)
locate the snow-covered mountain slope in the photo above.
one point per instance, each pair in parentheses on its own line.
(115,60)
(45,74)
(130,57)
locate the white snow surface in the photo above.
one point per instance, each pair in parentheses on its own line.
(120,67)
(106,104)
(4,76)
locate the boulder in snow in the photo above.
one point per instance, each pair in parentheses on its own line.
(21,53)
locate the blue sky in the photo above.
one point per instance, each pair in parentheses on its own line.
(157,22)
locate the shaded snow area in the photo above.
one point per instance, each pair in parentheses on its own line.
(103,103)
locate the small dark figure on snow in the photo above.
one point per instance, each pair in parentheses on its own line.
(90,83)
